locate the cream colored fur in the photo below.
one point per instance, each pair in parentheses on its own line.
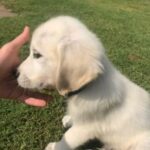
(111,107)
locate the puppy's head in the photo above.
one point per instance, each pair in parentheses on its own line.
(64,55)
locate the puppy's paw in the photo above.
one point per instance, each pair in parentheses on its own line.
(50,146)
(67,121)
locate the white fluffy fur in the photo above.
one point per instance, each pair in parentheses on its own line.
(111,108)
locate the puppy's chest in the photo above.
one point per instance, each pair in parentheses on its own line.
(83,111)
(108,132)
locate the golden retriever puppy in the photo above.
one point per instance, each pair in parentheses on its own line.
(102,103)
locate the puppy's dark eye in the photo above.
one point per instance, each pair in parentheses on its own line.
(37,55)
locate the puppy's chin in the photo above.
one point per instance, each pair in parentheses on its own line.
(34,86)
(27,84)
(24,83)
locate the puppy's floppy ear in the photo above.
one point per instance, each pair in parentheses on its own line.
(77,66)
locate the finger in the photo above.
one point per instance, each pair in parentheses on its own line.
(35,98)
(28,97)
(21,39)
(36,95)
(36,102)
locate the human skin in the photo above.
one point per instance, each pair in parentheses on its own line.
(9,61)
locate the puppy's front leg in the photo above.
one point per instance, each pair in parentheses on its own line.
(143,144)
(67,121)
(73,138)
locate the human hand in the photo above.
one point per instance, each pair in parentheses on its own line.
(9,61)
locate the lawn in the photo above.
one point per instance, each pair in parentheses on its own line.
(124,29)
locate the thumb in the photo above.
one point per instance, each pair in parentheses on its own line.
(21,39)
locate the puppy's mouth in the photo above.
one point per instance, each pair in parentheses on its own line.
(27,84)
(46,87)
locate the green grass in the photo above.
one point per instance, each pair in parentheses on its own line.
(124,28)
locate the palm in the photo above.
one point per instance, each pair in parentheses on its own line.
(9,60)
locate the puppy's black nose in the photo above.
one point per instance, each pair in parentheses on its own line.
(15,73)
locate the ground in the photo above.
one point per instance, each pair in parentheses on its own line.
(5,12)
(124,29)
